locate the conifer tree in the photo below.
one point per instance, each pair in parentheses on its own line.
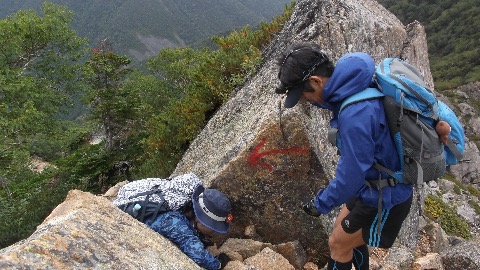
(111,104)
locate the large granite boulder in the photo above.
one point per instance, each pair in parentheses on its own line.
(89,232)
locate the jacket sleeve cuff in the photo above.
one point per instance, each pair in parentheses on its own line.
(321,207)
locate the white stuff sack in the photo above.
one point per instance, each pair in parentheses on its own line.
(176,191)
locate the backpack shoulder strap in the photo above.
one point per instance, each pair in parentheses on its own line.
(154,190)
(369,93)
(453,148)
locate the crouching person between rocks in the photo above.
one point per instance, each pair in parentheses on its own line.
(181,210)
(363,138)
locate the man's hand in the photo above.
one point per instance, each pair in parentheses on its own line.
(310,209)
(224,259)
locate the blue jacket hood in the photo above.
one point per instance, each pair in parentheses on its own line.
(353,73)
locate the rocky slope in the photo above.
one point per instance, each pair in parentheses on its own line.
(88,232)
(465,101)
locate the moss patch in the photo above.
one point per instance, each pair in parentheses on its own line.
(436,209)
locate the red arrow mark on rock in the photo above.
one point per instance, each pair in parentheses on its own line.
(254,159)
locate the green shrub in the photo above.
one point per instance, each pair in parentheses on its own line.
(453,224)
(32,201)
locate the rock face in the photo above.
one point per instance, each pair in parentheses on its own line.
(269,159)
(463,256)
(468,171)
(89,232)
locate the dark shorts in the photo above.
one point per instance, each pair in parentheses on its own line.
(364,217)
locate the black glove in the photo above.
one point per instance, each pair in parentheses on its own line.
(224,259)
(310,209)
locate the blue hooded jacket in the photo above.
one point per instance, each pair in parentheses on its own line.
(365,137)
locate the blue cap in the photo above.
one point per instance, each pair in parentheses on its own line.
(212,208)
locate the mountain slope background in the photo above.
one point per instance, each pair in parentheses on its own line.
(453,35)
(141,29)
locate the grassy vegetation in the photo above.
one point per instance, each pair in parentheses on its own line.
(447,216)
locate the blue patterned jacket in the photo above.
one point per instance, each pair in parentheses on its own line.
(177,228)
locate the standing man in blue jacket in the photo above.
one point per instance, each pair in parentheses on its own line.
(363,138)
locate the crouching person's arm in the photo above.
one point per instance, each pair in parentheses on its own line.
(176,227)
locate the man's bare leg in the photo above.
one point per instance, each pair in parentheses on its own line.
(342,244)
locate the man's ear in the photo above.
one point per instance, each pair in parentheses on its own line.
(318,81)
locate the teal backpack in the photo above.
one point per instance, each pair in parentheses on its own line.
(413,112)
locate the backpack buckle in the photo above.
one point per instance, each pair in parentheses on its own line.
(392,182)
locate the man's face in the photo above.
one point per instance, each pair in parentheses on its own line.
(204,229)
(317,83)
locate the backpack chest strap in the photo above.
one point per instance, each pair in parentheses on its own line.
(381,183)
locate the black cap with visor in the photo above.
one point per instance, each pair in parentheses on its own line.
(295,90)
